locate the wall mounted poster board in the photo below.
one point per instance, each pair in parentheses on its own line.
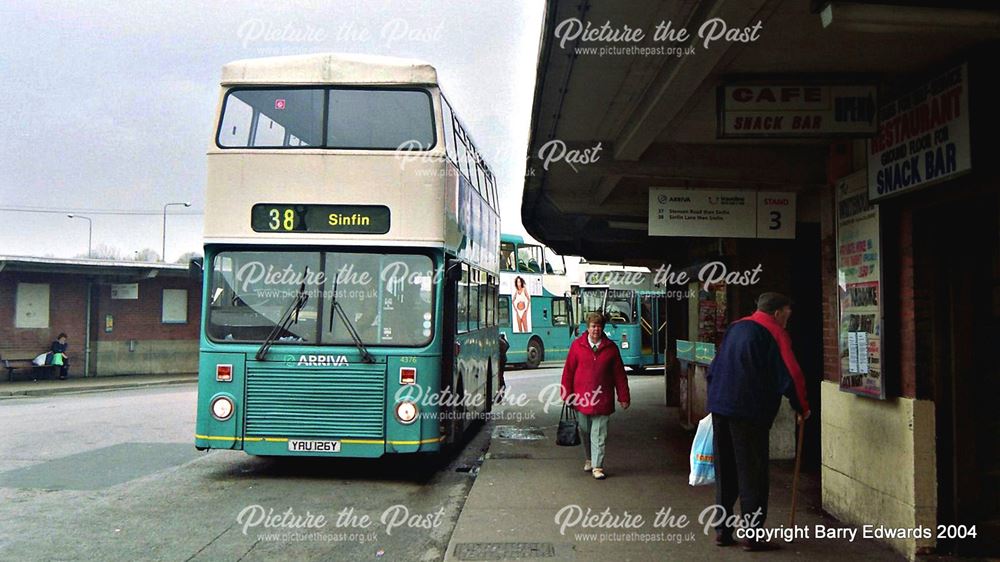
(859,287)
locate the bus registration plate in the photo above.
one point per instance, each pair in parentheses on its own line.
(301,446)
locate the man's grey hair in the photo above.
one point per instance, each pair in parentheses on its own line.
(772,302)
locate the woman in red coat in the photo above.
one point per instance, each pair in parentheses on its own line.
(593,373)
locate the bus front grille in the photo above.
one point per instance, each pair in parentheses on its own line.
(330,402)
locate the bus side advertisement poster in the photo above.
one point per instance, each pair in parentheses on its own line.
(329,219)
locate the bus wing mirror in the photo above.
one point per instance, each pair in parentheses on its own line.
(453,271)
(196,267)
(573,326)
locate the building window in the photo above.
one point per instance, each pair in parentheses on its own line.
(175,306)
(32,306)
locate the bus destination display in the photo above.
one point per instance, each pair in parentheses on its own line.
(334,219)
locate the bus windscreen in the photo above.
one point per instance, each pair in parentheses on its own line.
(387,297)
(617,306)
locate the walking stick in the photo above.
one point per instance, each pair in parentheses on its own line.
(798,464)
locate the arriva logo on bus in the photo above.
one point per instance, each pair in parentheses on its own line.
(317,361)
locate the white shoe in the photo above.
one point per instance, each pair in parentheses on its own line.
(587,466)
(599,474)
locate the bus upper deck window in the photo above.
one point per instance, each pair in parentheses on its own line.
(529,258)
(507,256)
(380,119)
(272,118)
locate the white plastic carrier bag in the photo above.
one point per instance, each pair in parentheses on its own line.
(702,455)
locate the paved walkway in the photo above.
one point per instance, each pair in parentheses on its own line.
(523,484)
(42,387)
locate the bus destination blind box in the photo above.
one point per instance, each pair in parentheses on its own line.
(332,219)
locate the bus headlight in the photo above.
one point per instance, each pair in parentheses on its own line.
(406,412)
(222,408)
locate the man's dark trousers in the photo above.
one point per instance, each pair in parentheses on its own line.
(741,467)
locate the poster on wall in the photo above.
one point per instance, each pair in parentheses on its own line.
(859,288)
(712,314)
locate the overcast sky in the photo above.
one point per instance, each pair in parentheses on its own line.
(109,105)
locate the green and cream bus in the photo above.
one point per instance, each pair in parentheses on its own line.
(351,262)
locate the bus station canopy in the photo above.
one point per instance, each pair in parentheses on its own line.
(655,115)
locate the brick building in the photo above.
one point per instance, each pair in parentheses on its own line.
(120,317)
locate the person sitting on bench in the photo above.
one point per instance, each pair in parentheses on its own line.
(59,355)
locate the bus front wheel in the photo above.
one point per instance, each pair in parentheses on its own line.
(536,353)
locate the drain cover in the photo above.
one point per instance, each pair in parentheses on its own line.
(514,432)
(504,550)
(503,456)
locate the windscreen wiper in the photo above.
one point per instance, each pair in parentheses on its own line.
(289,317)
(335,307)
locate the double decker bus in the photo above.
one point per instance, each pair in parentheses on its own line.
(351,262)
(535,305)
(636,313)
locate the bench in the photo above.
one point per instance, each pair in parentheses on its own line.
(15,359)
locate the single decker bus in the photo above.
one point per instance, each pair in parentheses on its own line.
(636,313)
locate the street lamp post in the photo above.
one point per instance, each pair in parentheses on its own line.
(163,253)
(90,231)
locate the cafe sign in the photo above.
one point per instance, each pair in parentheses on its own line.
(795,110)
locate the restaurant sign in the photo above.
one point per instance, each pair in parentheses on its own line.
(923,136)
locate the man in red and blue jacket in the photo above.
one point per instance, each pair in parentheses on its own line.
(753,368)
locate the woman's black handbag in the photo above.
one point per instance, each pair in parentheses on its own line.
(568,434)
